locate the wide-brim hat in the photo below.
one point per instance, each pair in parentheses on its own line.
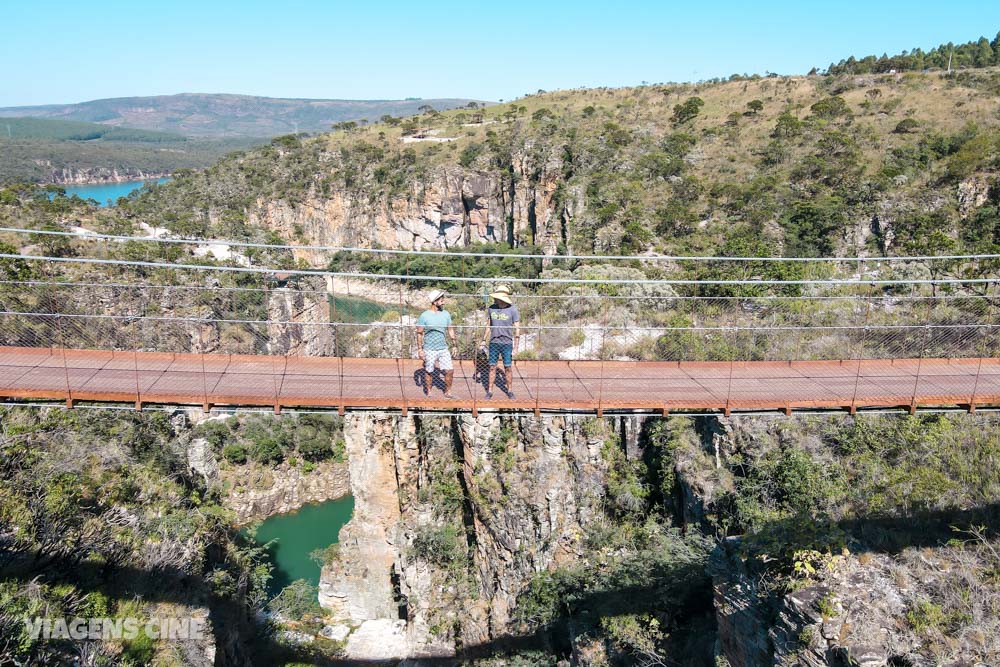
(435,295)
(502,293)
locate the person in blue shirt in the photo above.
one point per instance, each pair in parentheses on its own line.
(502,335)
(432,326)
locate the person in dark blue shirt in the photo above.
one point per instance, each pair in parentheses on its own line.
(502,335)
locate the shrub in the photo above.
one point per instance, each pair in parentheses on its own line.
(215,432)
(906,126)
(439,544)
(298,600)
(235,453)
(266,450)
(315,448)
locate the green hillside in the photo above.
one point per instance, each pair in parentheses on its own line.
(816,165)
(65,130)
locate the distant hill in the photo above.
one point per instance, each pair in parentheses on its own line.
(43,150)
(69,130)
(222,116)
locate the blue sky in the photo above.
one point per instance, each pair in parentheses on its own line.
(60,51)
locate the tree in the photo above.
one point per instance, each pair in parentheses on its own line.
(906,126)
(542,114)
(830,107)
(811,227)
(687,111)
(788,126)
(754,107)
(11,268)
(984,53)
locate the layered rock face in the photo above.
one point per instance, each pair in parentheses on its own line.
(456,516)
(507,496)
(452,207)
(71,176)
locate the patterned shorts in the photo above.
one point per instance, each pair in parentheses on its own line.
(442,358)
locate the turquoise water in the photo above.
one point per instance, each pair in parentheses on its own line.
(103,192)
(298,534)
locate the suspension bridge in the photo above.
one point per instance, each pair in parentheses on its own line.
(847,334)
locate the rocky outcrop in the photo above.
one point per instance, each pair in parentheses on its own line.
(258,493)
(972,193)
(451,207)
(524,488)
(299,323)
(94,175)
(741,609)
(358,587)
(533,483)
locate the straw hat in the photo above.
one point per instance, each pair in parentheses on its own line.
(502,293)
(435,295)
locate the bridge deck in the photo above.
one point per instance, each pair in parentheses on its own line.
(153,377)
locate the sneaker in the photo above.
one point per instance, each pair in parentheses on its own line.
(510,395)
(489,395)
(451,396)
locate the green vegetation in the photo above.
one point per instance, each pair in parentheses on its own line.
(442,265)
(103,519)
(978,53)
(65,130)
(267,441)
(802,165)
(94,154)
(296,601)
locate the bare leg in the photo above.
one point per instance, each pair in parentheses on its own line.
(509,372)
(489,379)
(448,377)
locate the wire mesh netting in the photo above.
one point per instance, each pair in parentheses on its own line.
(196,336)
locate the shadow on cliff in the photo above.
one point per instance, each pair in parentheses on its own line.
(884,534)
(679,590)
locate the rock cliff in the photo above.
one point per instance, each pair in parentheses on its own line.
(516,491)
(460,520)
(451,207)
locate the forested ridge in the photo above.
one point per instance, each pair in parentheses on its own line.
(976,53)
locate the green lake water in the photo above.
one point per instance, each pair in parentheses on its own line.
(298,534)
(350,309)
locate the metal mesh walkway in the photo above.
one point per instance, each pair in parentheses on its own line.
(346,383)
